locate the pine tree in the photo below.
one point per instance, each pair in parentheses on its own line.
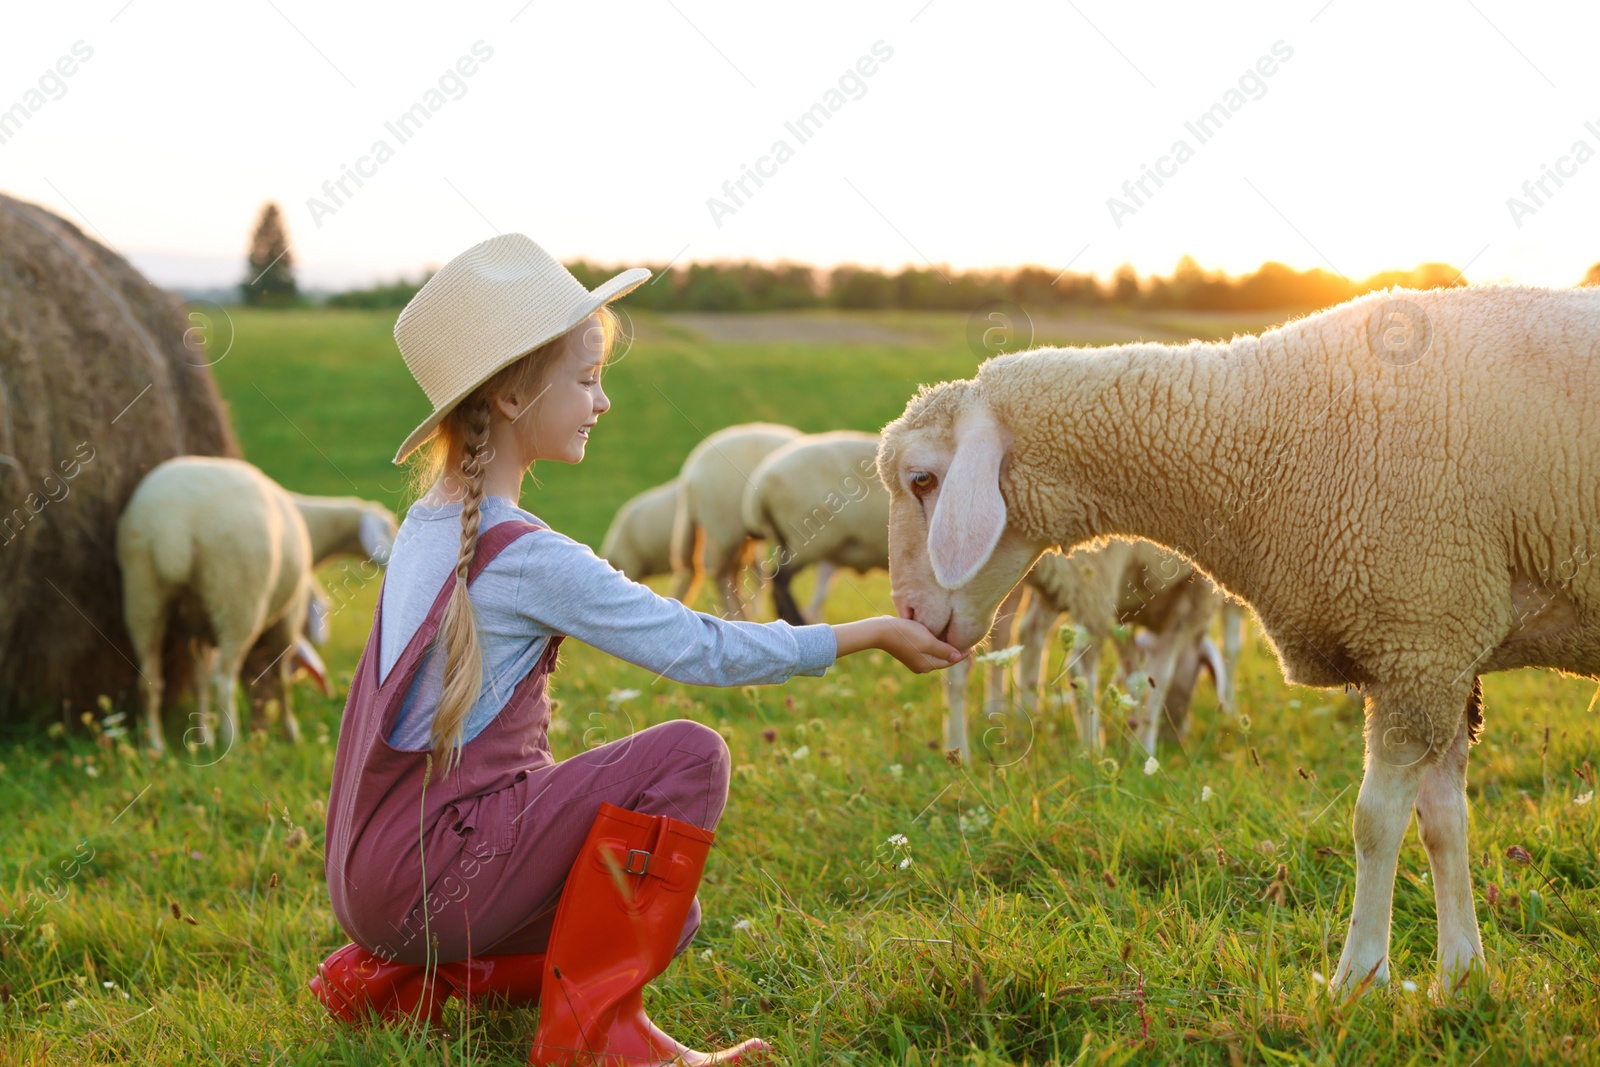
(270,282)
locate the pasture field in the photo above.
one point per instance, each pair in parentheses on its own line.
(1055,909)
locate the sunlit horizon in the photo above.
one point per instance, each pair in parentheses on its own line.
(938,135)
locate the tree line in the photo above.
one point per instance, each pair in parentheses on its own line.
(746,286)
(787,286)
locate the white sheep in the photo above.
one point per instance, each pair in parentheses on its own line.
(214,546)
(1107,591)
(639,540)
(708,532)
(1402,487)
(817,501)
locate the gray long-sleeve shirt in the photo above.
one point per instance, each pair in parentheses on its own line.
(545,583)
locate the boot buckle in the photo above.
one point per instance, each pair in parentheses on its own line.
(644,861)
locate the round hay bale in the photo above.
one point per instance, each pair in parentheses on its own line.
(97,386)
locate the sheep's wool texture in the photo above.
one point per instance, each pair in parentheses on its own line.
(97,386)
(819,497)
(1405,487)
(544,584)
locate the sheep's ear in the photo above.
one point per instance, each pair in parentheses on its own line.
(306,656)
(376,540)
(970,515)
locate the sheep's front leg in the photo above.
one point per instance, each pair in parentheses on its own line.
(1232,641)
(1161,665)
(1083,667)
(1038,619)
(824,573)
(1000,637)
(955,700)
(1399,752)
(1442,825)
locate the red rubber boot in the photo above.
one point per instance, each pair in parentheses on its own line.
(356,985)
(619,919)
(512,979)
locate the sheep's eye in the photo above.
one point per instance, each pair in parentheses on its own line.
(923,483)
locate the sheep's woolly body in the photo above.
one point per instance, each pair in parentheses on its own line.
(639,540)
(818,498)
(1403,487)
(708,532)
(816,501)
(1401,527)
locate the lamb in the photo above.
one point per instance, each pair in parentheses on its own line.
(1402,487)
(816,500)
(216,547)
(708,532)
(1122,584)
(639,540)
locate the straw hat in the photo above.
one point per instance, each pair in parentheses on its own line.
(483,310)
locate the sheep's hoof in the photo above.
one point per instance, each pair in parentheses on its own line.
(1347,984)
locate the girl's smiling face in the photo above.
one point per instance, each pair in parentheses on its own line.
(571,399)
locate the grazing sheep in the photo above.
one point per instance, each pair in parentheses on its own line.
(639,540)
(267,689)
(215,547)
(1403,488)
(708,532)
(1106,590)
(817,500)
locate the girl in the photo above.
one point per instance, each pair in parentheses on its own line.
(460,855)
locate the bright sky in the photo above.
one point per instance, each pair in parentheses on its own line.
(1386,134)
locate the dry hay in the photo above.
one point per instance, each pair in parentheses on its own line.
(97,386)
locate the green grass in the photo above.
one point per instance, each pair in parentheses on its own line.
(1088,913)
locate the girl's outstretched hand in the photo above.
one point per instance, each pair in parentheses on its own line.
(907,640)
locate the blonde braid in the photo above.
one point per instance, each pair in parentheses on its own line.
(463,672)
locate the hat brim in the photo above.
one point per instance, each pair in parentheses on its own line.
(602,294)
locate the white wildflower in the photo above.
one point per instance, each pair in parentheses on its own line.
(706,955)
(1126,700)
(617,696)
(896,770)
(742,924)
(1583,798)
(1206,794)
(1316,976)
(1000,655)
(801,753)
(905,863)
(898,839)
(1151,765)
(975,820)
(1408,985)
